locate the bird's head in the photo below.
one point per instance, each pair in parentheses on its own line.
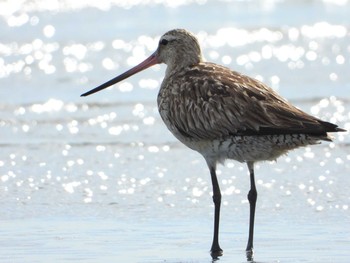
(177,48)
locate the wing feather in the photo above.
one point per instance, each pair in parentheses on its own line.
(209,101)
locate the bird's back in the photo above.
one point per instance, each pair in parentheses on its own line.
(208,101)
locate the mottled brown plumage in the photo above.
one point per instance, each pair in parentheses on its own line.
(208,101)
(223,114)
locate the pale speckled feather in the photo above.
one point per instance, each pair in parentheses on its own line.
(208,101)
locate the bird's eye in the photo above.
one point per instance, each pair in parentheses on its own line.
(164,42)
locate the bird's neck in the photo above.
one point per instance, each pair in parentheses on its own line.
(178,65)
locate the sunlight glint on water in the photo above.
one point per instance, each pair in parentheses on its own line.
(90,179)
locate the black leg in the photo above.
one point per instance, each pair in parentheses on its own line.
(215,250)
(252,197)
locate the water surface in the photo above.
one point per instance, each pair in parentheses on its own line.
(100,179)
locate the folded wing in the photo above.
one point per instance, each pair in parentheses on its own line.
(210,102)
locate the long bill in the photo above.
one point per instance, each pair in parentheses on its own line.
(148,62)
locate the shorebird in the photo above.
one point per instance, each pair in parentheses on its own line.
(223,114)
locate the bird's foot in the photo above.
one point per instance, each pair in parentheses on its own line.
(216,252)
(250,255)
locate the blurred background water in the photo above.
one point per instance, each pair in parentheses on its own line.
(100,179)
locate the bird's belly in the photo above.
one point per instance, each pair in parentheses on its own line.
(248,148)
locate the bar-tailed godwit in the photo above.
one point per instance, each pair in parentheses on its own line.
(223,114)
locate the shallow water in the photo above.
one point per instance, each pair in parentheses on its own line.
(100,179)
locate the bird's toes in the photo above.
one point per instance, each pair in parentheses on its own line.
(216,253)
